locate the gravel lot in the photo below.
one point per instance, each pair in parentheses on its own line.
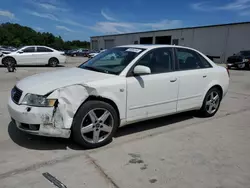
(175,151)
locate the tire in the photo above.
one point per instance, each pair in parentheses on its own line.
(53,62)
(241,66)
(8,61)
(85,126)
(206,110)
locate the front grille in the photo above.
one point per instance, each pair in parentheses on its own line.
(16,94)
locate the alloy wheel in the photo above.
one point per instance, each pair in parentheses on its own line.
(213,101)
(97,125)
(241,66)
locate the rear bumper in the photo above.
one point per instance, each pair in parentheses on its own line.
(62,60)
(235,63)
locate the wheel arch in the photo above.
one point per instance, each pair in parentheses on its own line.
(54,58)
(9,57)
(214,85)
(103,99)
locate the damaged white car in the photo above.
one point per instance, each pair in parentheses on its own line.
(91,101)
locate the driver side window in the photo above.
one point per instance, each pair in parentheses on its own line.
(29,50)
(158,60)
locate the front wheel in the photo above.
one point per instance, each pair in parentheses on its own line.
(211,103)
(95,124)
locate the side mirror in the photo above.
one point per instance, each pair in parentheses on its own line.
(234,54)
(141,70)
(20,51)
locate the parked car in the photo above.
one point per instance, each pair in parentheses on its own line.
(93,54)
(6,50)
(240,60)
(79,52)
(93,100)
(34,55)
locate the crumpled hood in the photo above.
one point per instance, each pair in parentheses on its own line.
(46,82)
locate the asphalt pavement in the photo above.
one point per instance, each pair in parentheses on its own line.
(175,151)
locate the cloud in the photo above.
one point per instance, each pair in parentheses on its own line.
(7,14)
(106,16)
(51,7)
(240,6)
(42,15)
(164,24)
(72,22)
(54,18)
(38,28)
(124,27)
(61,27)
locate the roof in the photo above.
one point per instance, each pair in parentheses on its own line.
(145,46)
(196,27)
(151,46)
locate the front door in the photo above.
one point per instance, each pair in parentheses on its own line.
(154,94)
(194,79)
(26,57)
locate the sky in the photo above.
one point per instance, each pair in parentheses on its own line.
(80,19)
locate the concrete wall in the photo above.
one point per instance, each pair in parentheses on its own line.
(220,41)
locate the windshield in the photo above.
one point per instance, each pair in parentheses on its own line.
(112,61)
(19,48)
(245,53)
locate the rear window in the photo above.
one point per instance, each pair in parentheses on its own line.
(43,49)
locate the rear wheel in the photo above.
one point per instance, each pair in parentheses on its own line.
(95,124)
(53,62)
(211,102)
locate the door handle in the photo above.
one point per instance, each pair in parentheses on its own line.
(204,76)
(173,80)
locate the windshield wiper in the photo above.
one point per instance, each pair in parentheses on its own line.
(94,69)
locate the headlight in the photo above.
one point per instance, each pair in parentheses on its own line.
(245,60)
(38,100)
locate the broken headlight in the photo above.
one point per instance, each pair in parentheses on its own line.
(38,100)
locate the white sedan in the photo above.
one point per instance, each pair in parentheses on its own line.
(91,101)
(34,55)
(91,55)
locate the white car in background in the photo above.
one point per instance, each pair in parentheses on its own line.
(91,55)
(34,55)
(93,100)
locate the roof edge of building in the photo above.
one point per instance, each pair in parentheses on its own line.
(195,27)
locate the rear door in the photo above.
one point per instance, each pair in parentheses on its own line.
(194,78)
(43,55)
(27,56)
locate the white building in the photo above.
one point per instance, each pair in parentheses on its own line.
(219,41)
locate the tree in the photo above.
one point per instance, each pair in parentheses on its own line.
(17,35)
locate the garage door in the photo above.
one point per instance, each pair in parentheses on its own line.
(95,45)
(109,44)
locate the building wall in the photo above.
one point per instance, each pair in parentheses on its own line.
(238,39)
(220,41)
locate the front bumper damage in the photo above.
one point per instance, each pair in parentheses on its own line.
(51,121)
